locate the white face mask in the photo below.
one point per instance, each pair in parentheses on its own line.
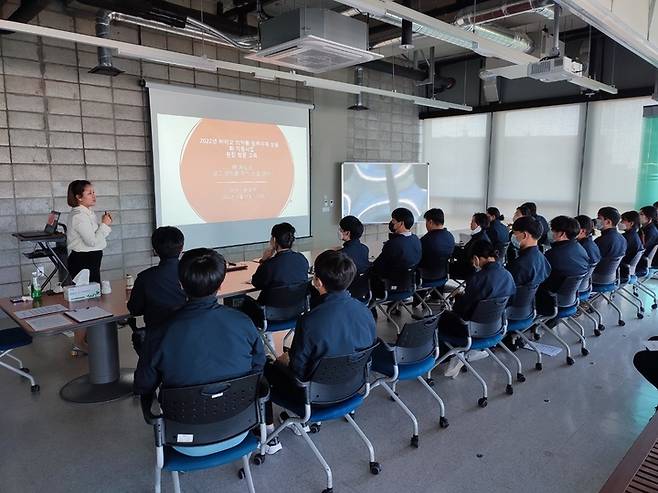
(599,224)
(622,227)
(476,230)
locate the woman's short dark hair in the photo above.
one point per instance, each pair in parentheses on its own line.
(435,215)
(76,189)
(484,249)
(586,223)
(567,225)
(284,234)
(632,217)
(481,219)
(528,224)
(650,212)
(167,241)
(201,272)
(524,210)
(532,207)
(611,214)
(495,212)
(353,225)
(335,269)
(403,215)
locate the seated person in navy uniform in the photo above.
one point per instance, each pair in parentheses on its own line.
(462,268)
(489,280)
(157,291)
(586,241)
(544,241)
(279,265)
(437,243)
(648,234)
(350,230)
(339,325)
(520,211)
(203,342)
(567,259)
(400,253)
(497,230)
(531,267)
(611,243)
(630,224)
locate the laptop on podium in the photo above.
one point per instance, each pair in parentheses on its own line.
(49,228)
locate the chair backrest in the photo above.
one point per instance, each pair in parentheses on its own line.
(502,252)
(647,261)
(632,265)
(606,271)
(652,253)
(417,341)
(522,304)
(210,413)
(360,287)
(438,269)
(338,378)
(285,302)
(586,283)
(567,293)
(488,318)
(402,282)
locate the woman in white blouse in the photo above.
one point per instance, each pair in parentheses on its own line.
(85,241)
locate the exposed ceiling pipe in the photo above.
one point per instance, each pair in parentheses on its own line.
(502,35)
(105,65)
(358,80)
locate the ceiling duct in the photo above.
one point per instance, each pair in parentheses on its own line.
(358,80)
(105,65)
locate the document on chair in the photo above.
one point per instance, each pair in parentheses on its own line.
(48,322)
(546,349)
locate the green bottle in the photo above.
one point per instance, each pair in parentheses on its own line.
(35,288)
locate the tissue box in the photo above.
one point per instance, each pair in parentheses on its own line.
(85,292)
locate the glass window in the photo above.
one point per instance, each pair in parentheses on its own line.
(457,149)
(612,154)
(537,156)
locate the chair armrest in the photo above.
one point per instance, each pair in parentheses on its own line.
(146,401)
(132,322)
(384,362)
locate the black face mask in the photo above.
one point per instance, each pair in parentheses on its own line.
(391,227)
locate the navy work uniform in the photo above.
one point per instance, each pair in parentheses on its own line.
(592,249)
(400,253)
(285,268)
(436,245)
(498,234)
(359,254)
(530,268)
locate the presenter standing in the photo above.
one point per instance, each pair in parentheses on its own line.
(85,241)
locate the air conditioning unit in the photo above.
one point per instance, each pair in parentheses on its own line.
(314,40)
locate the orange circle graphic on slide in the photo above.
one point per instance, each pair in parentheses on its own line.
(235,171)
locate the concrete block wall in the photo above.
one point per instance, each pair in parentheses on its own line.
(59,123)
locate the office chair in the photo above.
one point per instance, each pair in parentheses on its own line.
(565,311)
(202,416)
(502,252)
(337,387)
(584,294)
(628,278)
(413,356)
(521,316)
(432,282)
(484,331)
(281,307)
(360,288)
(645,272)
(396,291)
(605,280)
(11,339)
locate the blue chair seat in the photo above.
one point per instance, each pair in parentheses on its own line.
(412,371)
(476,343)
(278,325)
(567,311)
(13,338)
(320,413)
(632,280)
(584,296)
(176,461)
(436,284)
(604,288)
(518,325)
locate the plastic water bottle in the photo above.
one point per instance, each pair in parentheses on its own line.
(35,288)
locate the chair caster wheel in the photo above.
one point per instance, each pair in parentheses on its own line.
(443,422)
(539,367)
(536,337)
(597,332)
(654,306)
(621,323)
(35,388)
(584,351)
(601,327)
(25,370)
(328,490)
(640,316)
(482,402)
(520,377)
(241,473)
(414,441)
(570,360)
(464,369)
(509,389)
(375,468)
(642,309)
(315,428)
(259,459)
(430,382)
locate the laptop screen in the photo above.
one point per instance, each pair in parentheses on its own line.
(53,220)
